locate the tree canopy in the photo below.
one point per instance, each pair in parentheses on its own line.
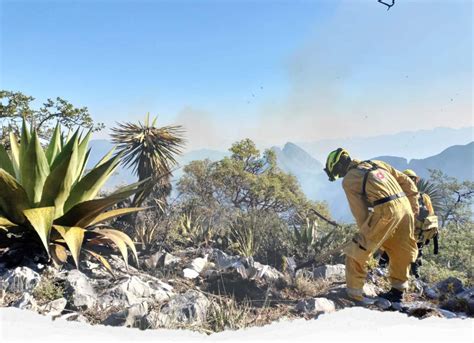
(16,106)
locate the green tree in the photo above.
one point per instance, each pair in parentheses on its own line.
(454,200)
(16,106)
(455,254)
(246,180)
(453,206)
(248,195)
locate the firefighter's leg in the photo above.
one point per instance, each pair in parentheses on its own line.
(401,248)
(363,246)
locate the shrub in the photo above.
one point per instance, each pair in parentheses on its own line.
(47,290)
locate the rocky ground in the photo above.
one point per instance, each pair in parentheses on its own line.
(207,290)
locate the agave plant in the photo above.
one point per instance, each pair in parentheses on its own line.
(242,236)
(192,231)
(48,199)
(306,234)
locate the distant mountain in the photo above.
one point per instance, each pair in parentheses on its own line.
(410,144)
(295,160)
(455,161)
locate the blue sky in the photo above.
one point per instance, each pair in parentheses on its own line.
(270,70)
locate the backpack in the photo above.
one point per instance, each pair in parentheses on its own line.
(426,225)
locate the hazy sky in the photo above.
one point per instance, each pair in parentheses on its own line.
(274,71)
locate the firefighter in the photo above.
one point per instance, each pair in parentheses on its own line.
(383,202)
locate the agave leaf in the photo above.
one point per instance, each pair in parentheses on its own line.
(84,164)
(41,219)
(131,187)
(5,161)
(54,146)
(58,253)
(25,139)
(15,149)
(127,241)
(66,139)
(34,169)
(82,154)
(105,158)
(66,149)
(297,235)
(85,212)
(124,237)
(4,222)
(13,198)
(102,260)
(115,213)
(25,133)
(73,236)
(59,182)
(117,240)
(88,187)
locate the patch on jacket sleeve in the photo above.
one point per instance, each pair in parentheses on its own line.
(380,175)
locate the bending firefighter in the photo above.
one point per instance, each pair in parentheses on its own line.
(426,227)
(383,202)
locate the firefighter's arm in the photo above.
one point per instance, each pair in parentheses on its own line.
(357,204)
(407,185)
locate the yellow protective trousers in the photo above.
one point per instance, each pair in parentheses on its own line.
(390,227)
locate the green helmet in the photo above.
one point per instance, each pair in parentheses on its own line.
(331,162)
(410,173)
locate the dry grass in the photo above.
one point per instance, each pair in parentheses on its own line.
(97,315)
(308,287)
(227,314)
(267,315)
(7,298)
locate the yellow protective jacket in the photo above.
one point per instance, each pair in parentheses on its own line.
(381,183)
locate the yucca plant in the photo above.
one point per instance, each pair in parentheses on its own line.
(48,200)
(151,151)
(427,187)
